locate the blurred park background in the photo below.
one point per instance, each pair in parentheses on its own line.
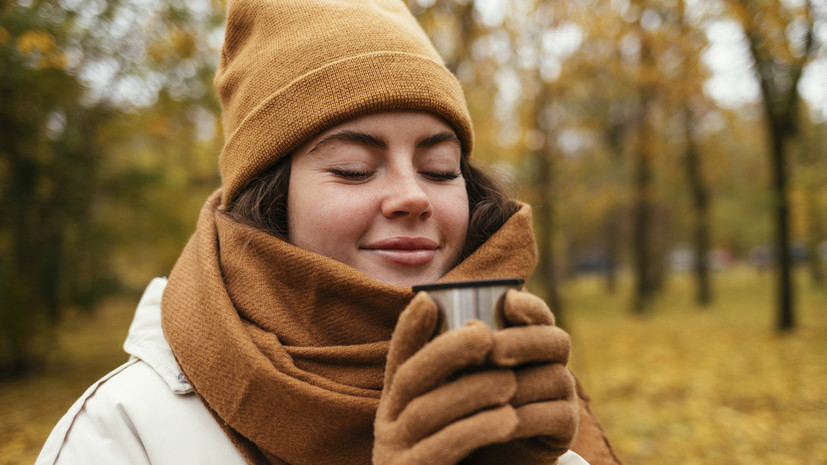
(675,152)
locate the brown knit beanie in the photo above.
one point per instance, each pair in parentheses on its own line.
(290,69)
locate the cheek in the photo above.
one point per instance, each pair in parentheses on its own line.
(303,213)
(455,215)
(317,218)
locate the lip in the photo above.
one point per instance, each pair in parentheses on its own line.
(409,251)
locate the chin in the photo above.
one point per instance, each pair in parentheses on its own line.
(404,280)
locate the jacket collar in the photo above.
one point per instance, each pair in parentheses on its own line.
(146,341)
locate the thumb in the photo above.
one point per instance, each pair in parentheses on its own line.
(415,327)
(524,308)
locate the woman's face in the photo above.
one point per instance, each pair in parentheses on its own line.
(382,193)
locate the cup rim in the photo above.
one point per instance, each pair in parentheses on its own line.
(467,284)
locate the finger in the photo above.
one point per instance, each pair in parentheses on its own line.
(445,404)
(523,308)
(415,327)
(457,440)
(548,381)
(439,358)
(526,450)
(556,419)
(522,344)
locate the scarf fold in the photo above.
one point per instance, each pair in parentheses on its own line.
(286,347)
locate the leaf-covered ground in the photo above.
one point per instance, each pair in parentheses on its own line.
(88,349)
(715,386)
(679,386)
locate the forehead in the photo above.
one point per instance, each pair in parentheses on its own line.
(389,124)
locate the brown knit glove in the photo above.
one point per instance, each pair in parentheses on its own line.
(546,399)
(427,417)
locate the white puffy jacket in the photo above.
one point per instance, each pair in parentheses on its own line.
(144,412)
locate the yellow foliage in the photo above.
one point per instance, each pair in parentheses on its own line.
(156,51)
(4,36)
(31,42)
(41,47)
(180,44)
(183,43)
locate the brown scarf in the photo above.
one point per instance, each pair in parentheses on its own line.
(286,347)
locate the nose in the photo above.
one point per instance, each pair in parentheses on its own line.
(405,198)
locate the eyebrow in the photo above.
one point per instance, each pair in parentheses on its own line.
(370,140)
(348,135)
(438,138)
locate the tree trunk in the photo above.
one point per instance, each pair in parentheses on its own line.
(19,276)
(642,232)
(613,221)
(642,240)
(545,239)
(813,252)
(786,317)
(778,77)
(612,238)
(814,182)
(700,207)
(545,223)
(699,192)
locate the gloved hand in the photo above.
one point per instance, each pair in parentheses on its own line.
(522,408)
(546,400)
(425,416)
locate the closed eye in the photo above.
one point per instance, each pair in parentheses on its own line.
(441,175)
(352,175)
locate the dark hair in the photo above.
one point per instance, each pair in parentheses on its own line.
(262,203)
(490,205)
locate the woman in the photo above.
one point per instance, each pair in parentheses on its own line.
(288,331)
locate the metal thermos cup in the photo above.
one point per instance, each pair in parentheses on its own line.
(463,301)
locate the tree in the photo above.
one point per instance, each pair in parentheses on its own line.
(781,42)
(690,92)
(543,156)
(70,73)
(51,179)
(643,152)
(812,183)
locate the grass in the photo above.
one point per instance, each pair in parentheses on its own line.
(678,386)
